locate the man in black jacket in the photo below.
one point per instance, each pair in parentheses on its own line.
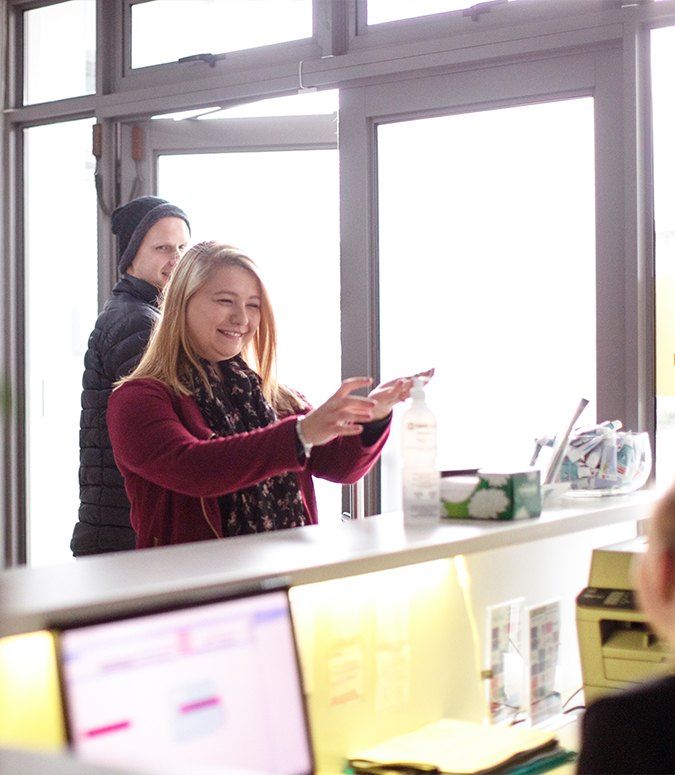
(631,731)
(152,235)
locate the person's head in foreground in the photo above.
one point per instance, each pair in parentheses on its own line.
(655,570)
(629,729)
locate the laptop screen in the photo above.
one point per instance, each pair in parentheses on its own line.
(216,686)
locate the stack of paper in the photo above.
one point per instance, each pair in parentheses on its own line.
(464,748)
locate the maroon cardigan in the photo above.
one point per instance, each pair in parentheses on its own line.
(174,467)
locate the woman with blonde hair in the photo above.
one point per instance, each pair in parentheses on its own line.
(209,443)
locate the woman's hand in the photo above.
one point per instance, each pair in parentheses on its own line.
(342,415)
(388,394)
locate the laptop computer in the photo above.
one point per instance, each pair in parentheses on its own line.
(213,687)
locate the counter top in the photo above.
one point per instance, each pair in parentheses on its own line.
(20,762)
(37,598)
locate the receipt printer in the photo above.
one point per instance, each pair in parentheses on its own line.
(616,646)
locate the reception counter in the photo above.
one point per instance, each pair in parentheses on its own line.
(390,618)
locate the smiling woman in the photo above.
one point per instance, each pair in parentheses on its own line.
(209,443)
(223,316)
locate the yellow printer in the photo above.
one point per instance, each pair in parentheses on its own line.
(616,646)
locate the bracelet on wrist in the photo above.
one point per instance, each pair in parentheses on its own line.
(306,446)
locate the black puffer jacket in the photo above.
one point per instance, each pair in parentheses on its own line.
(115,346)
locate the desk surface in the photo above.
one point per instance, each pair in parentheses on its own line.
(19,762)
(37,598)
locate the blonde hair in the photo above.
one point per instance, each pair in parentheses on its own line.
(170,356)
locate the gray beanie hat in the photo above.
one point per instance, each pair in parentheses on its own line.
(131,222)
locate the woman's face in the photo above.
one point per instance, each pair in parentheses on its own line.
(224,313)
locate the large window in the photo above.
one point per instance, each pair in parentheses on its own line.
(498,260)
(61,281)
(281,208)
(264,177)
(487,273)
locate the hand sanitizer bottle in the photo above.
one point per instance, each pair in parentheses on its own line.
(421,478)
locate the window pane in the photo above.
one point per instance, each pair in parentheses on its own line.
(487,273)
(215,26)
(281,208)
(390,10)
(309,104)
(306,104)
(663,100)
(61,293)
(60,51)
(379,11)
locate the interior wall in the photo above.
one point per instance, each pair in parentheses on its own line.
(384,653)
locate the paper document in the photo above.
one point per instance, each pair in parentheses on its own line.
(461,747)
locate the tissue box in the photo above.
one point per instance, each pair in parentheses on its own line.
(492,495)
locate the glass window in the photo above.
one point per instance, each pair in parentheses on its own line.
(61,293)
(380,11)
(663,63)
(308,104)
(487,273)
(281,208)
(167,30)
(60,51)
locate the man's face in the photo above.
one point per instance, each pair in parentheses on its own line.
(160,251)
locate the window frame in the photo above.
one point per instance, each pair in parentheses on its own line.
(622,305)
(337,58)
(232,67)
(481,19)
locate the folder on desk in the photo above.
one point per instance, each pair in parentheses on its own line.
(466,748)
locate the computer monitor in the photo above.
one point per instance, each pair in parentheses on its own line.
(214,687)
